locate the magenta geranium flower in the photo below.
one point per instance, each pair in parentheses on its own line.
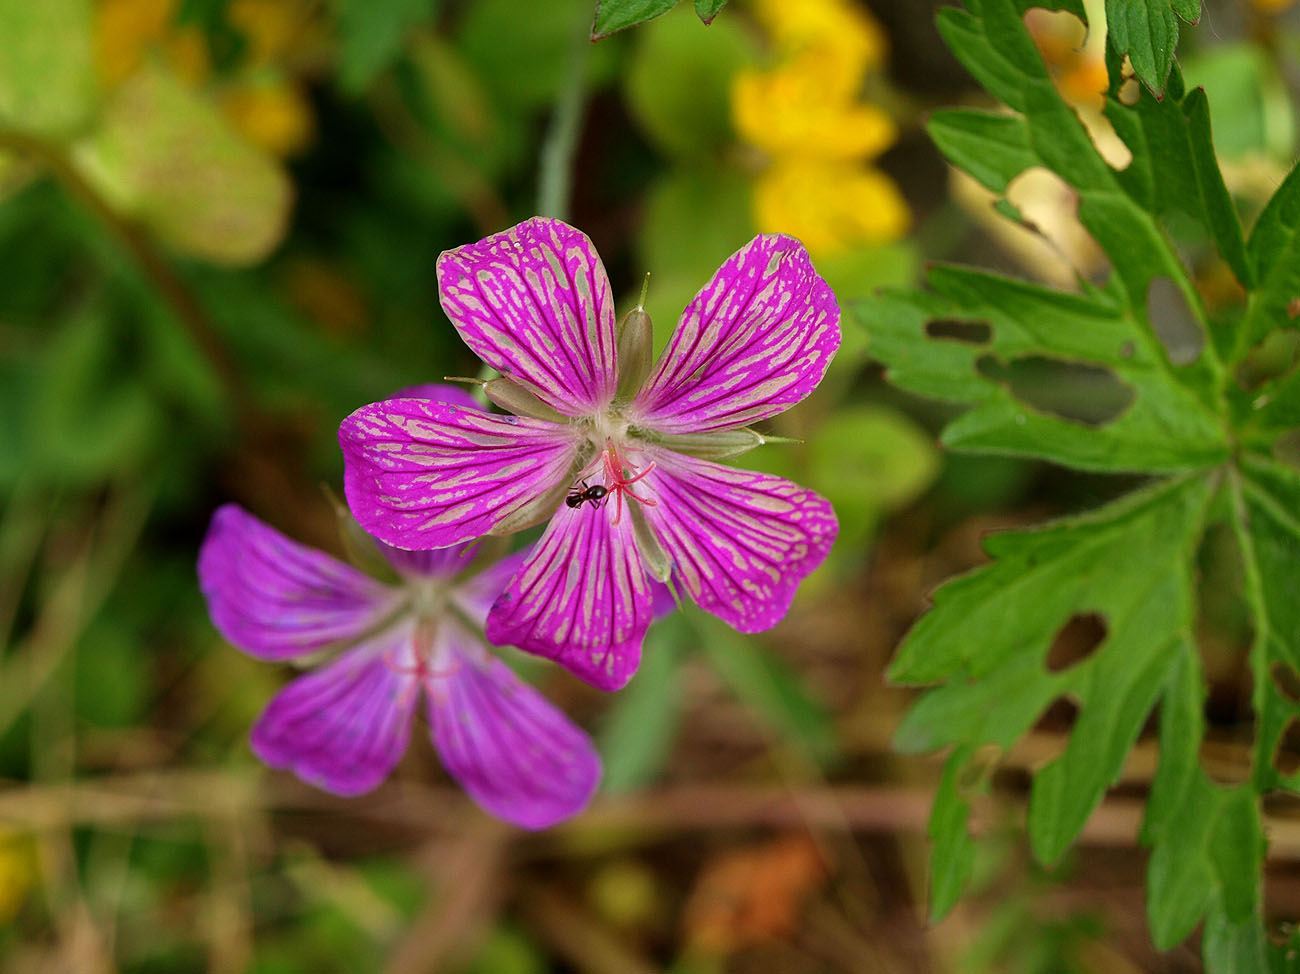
(344,726)
(619,454)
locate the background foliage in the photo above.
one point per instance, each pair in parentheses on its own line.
(218,222)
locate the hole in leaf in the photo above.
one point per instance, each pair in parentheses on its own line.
(1087,394)
(1130,90)
(1293,309)
(1287,681)
(1076,641)
(1051,732)
(967,332)
(1173,321)
(1286,758)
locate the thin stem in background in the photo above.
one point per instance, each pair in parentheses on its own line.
(555,175)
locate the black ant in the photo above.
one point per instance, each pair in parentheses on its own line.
(595,494)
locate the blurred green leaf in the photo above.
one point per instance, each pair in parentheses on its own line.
(163,155)
(615,15)
(678,84)
(640,726)
(772,690)
(694,220)
(47,81)
(524,60)
(953,859)
(112,674)
(867,460)
(1147,31)
(91,416)
(371,33)
(1252,109)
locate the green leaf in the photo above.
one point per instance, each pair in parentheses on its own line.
(47,78)
(1147,31)
(678,84)
(639,728)
(773,691)
(992,148)
(706,10)
(1166,428)
(371,33)
(163,155)
(1274,251)
(953,859)
(867,460)
(616,15)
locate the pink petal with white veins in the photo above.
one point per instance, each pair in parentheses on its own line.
(582,598)
(422,474)
(513,753)
(275,598)
(755,340)
(741,541)
(534,303)
(344,727)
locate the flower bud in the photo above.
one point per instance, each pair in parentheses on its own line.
(511,396)
(719,445)
(532,512)
(636,339)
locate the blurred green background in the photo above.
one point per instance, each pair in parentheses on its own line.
(218,227)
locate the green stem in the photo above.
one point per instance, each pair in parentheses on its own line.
(555,179)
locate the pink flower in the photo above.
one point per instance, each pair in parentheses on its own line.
(535,304)
(344,726)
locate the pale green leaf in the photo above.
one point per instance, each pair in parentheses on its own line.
(953,859)
(47,78)
(163,155)
(639,728)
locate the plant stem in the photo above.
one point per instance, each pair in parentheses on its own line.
(555,179)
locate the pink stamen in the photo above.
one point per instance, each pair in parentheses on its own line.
(619,485)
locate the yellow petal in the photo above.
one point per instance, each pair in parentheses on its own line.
(831,207)
(785,112)
(272,114)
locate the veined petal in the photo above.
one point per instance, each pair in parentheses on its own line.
(423,474)
(476,594)
(512,752)
(435,562)
(741,541)
(534,303)
(343,728)
(275,598)
(582,598)
(754,341)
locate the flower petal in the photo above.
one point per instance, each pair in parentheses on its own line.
(275,598)
(512,752)
(434,562)
(754,341)
(440,392)
(476,594)
(423,474)
(741,541)
(343,728)
(582,598)
(534,302)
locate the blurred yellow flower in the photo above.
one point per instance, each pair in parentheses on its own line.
(1271,6)
(260,101)
(806,114)
(128,31)
(831,206)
